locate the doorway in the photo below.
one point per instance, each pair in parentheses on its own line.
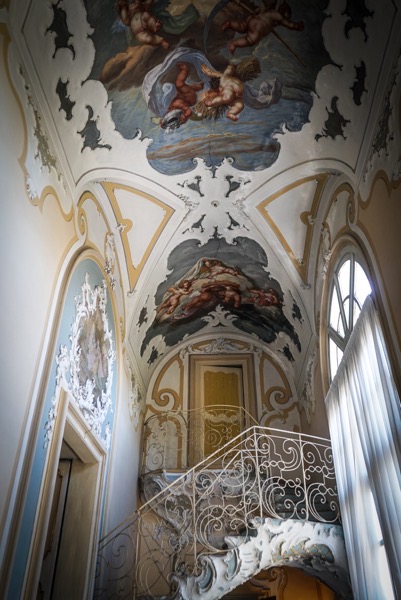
(222,401)
(52,548)
(64,551)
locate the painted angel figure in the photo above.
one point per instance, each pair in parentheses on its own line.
(224,93)
(144,25)
(229,92)
(261,23)
(227,89)
(185,98)
(174,297)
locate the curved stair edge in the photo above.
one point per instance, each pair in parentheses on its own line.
(316,548)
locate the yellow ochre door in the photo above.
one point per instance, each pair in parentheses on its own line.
(221,393)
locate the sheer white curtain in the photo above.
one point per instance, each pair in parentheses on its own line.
(364,415)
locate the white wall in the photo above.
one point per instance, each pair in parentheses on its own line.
(32,244)
(37,244)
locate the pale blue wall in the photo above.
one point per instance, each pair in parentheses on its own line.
(96,278)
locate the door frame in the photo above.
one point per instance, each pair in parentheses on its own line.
(197,363)
(245,361)
(70,426)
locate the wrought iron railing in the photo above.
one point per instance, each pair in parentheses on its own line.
(177,440)
(260,473)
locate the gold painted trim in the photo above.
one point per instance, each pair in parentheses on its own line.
(390,186)
(306,217)
(84,229)
(134,272)
(349,237)
(284,393)
(389,333)
(344,231)
(47,190)
(157,393)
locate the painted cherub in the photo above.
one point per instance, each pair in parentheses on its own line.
(183,288)
(267,297)
(260,24)
(142,22)
(229,293)
(229,92)
(186,96)
(217,267)
(206,294)
(226,89)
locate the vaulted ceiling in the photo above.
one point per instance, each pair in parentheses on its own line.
(201,143)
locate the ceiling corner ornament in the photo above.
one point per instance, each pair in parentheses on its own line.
(239,204)
(219,317)
(85,369)
(31,190)
(110,259)
(384,134)
(43,153)
(307,397)
(136,400)
(306,218)
(326,248)
(219,345)
(124,226)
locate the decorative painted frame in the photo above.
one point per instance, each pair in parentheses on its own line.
(86,368)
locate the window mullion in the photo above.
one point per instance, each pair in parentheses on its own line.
(351,293)
(337,339)
(338,291)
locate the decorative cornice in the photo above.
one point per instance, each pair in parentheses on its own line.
(219,345)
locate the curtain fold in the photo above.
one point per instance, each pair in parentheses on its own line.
(364,415)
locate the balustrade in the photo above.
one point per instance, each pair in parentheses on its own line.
(177,440)
(260,473)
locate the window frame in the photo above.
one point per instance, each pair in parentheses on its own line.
(352,255)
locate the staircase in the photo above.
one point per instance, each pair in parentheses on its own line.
(266,498)
(315,548)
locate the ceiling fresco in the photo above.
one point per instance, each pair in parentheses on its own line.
(195,77)
(208,133)
(217,276)
(177,83)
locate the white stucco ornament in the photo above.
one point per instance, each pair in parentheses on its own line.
(85,369)
(136,400)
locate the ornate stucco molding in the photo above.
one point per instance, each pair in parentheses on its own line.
(85,368)
(312,547)
(220,345)
(307,397)
(136,400)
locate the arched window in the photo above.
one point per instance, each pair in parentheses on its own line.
(350,287)
(364,416)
